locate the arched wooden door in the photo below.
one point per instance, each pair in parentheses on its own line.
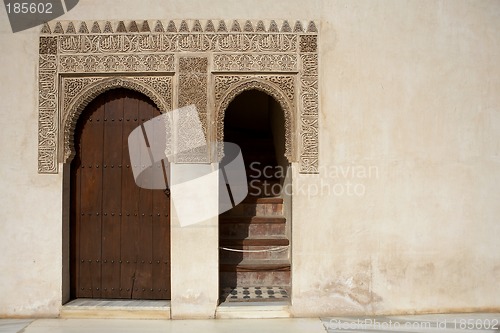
(120,233)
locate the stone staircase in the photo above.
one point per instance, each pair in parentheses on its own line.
(254,247)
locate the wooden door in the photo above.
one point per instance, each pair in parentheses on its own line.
(120,233)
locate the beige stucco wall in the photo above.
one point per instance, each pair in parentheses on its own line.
(30,213)
(409,90)
(408,94)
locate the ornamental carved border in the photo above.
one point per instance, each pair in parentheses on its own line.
(80,60)
(79,91)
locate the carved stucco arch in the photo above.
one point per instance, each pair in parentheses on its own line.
(286,104)
(75,54)
(80,101)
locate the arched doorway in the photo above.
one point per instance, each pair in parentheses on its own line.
(254,236)
(120,233)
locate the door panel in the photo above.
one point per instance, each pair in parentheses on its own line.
(120,233)
(111,203)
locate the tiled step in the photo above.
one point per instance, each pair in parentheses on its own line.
(255,294)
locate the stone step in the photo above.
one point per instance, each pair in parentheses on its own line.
(263,200)
(115,309)
(264,188)
(255,278)
(254,265)
(247,208)
(267,241)
(235,254)
(253,227)
(253,310)
(249,219)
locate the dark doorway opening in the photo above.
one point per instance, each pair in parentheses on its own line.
(254,236)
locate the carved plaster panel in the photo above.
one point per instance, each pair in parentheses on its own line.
(79,91)
(193,78)
(309,114)
(116,63)
(79,60)
(165,42)
(47,113)
(255,62)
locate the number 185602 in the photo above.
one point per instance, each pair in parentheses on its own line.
(29,8)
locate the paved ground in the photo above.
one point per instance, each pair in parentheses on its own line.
(466,323)
(448,323)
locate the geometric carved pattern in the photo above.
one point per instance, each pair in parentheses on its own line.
(309,114)
(193,78)
(47,114)
(308,43)
(48,45)
(255,62)
(116,63)
(79,60)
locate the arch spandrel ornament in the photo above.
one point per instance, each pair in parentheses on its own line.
(78,92)
(79,60)
(281,88)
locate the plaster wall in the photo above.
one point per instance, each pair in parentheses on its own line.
(409,117)
(31,208)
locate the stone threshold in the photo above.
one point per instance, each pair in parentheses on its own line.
(116,308)
(252,310)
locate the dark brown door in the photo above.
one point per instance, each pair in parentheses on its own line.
(120,233)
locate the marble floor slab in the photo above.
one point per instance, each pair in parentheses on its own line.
(443,323)
(13,325)
(87,302)
(311,325)
(448,323)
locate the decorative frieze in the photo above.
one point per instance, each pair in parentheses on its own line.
(185,26)
(79,60)
(165,42)
(116,63)
(255,62)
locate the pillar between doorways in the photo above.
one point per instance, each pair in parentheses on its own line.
(194,247)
